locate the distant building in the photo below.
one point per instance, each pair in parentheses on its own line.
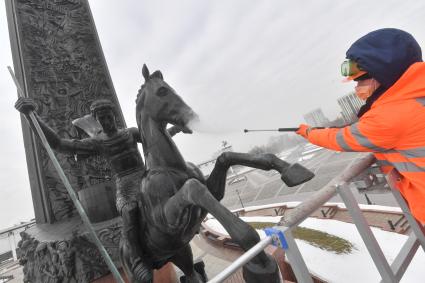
(316,118)
(350,105)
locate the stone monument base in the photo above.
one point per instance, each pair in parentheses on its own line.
(64,252)
(166,274)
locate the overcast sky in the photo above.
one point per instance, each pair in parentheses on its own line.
(239,64)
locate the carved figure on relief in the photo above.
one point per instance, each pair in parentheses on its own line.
(118,146)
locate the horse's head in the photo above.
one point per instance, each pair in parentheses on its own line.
(157,100)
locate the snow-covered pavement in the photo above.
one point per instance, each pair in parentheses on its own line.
(348,268)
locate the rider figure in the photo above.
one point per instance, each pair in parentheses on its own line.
(119,147)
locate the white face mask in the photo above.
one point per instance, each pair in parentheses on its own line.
(365,88)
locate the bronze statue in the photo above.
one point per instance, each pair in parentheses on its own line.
(119,147)
(175,197)
(163,206)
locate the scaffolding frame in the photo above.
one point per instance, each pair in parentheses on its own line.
(340,185)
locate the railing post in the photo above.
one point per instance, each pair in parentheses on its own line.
(369,239)
(296,259)
(417,228)
(416,238)
(405,256)
(12,243)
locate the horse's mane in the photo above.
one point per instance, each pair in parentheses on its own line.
(147,76)
(139,93)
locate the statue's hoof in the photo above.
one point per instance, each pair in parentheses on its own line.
(257,273)
(296,174)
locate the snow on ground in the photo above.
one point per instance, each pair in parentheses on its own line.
(348,268)
(335,268)
(284,154)
(306,157)
(214,225)
(311,149)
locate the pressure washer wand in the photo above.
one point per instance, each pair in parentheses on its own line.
(279,130)
(276,130)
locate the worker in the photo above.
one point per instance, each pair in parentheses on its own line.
(387,66)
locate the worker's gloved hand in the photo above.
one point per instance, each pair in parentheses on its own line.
(303,130)
(25,105)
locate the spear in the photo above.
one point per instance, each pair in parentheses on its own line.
(34,122)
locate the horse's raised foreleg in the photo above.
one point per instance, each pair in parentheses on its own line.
(291,174)
(194,192)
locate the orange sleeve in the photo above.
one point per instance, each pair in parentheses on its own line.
(374,133)
(325,138)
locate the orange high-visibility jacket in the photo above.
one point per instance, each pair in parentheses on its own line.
(394,130)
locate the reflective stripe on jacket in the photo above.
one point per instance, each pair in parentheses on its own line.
(394,130)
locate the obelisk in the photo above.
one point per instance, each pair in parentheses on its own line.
(59,61)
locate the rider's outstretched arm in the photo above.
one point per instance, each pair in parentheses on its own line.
(26,105)
(172,131)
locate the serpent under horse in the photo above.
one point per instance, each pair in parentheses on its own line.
(175,197)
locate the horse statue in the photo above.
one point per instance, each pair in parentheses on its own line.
(175,197)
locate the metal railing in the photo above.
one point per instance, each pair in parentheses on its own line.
(340,185)
(11,234)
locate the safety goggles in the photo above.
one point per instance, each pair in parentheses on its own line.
(351,70)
